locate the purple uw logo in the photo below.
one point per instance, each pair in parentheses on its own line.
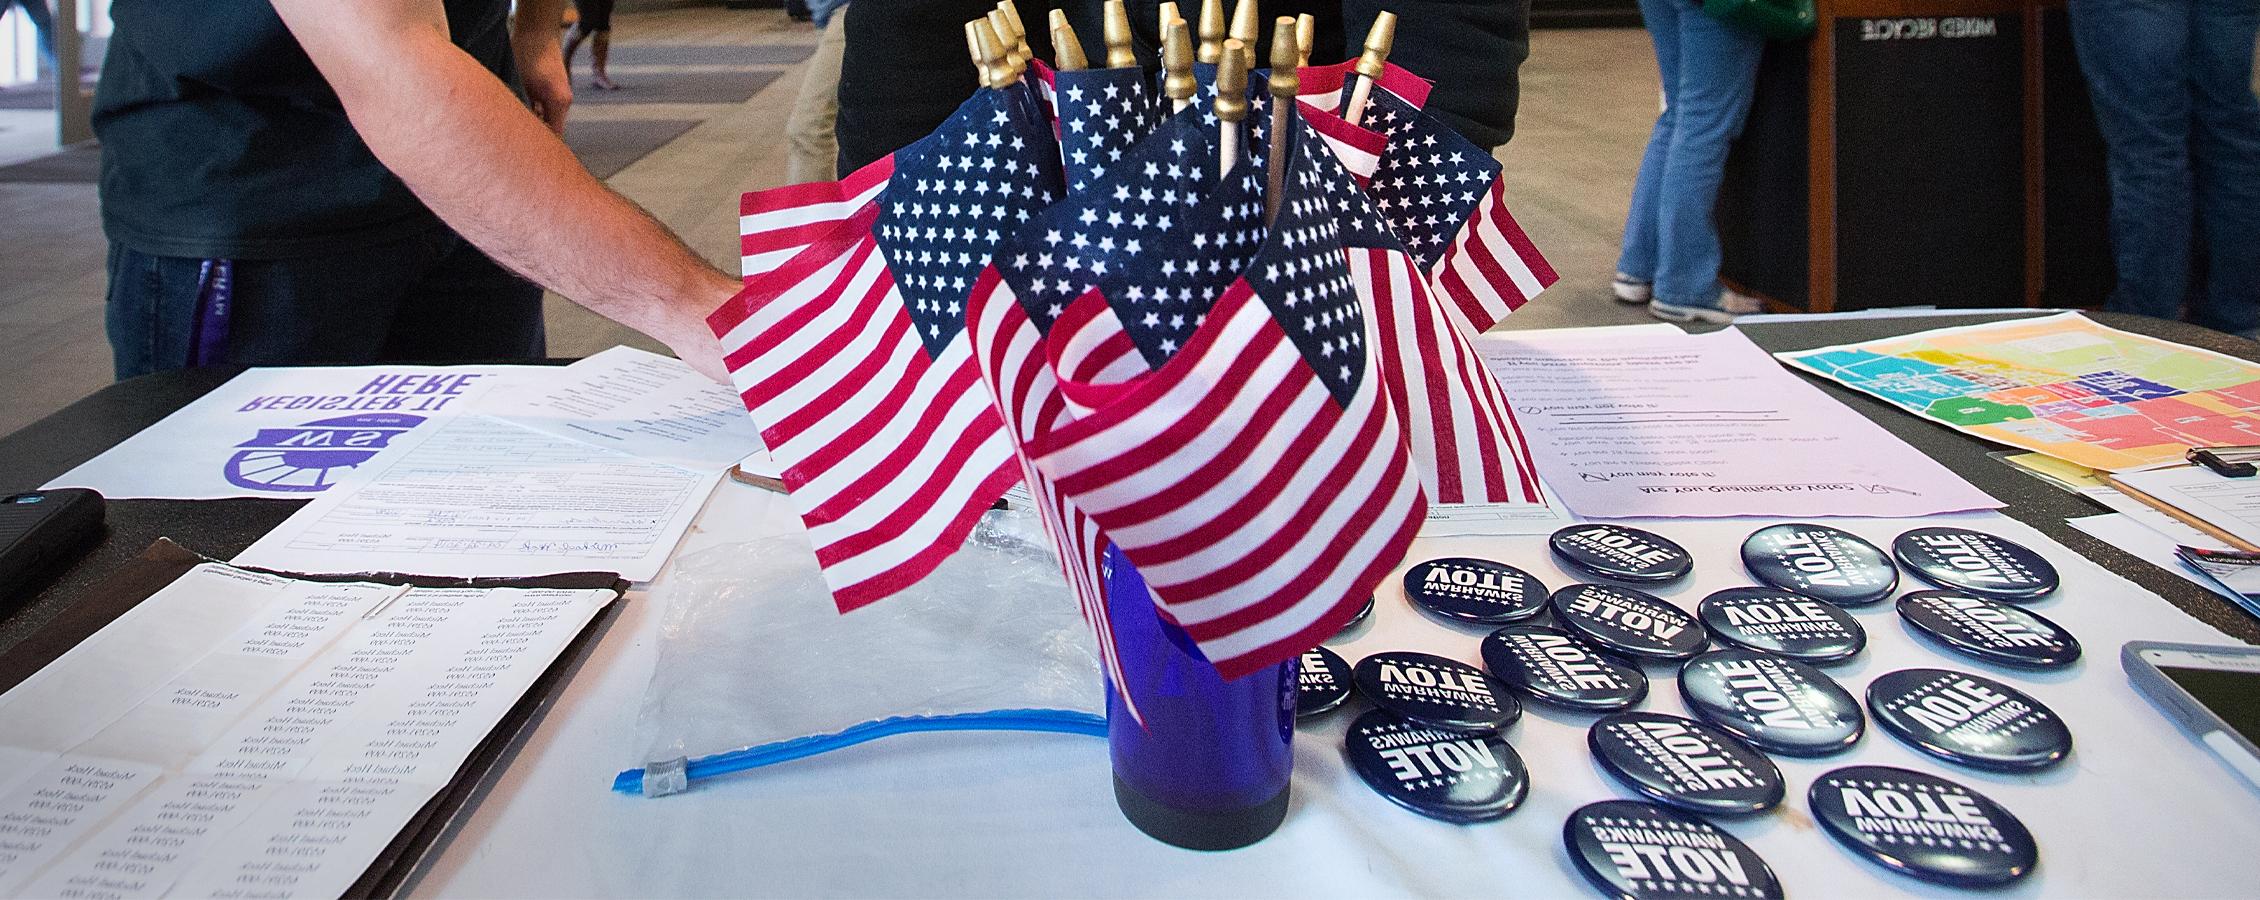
(304,459)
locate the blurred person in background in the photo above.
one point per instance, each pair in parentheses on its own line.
(1670,257)
(812,152)
(2171,81)
(42,24)
(594,26)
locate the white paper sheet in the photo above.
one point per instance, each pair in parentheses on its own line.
(245,734)
(1670,424)
(642,404)
(284,432)
(2229,504)
(480,497)
(2138,811)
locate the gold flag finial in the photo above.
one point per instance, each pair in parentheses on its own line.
(1002,73)
(973,49)
(1118,52)
(1212,31)
(1232,83)
(1169,14)
(1306,34)
(1177,62)
(1002,28)
(1019,28)
(1377,43)
(1244,30)
(1285,81)
(1067,50)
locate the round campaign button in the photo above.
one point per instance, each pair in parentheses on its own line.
(1640,851)
(1968,719)
(1782,623)
(1923,826)
(1428,688)
(1777,703)
(1987,630)
(1630,622)
(1552,666)
(1322,682)
(1476,591)
(1819,561)
(1621,553)
(1976,562)
(1364,612)
(1685,763)
(1456,776)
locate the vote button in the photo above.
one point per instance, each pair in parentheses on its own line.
(1434,690)
(1968,719)
(1640,851)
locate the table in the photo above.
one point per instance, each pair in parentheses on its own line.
(547,828)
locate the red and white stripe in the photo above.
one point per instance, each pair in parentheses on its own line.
(889,455)
(1327,87)
(1016,362)
(1261,513)
(776,224)
(1463,435)
(1359,149)
(1491,268)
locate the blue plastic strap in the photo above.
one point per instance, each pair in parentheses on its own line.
(1052,721)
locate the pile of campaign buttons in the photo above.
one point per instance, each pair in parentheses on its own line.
(1973,561)
(1923,826)
(1782,623)
(1635,850)
(1552,666)
(1434,690)
(1630,622)
(1968,719)
(1475,591)
(1442,773)
(1322,682)
(1820,562)
(1778,704)
(1684,763)
(1619,553)
(1989,630)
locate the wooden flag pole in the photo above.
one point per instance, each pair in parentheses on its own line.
(1231,103)
(1306,34)
(1119,54)
(1377,43)
(1286,82)
(1177,65)
(1067,50)
(1244,30)
(1212,31)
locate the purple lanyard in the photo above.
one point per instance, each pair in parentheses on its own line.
(215,300)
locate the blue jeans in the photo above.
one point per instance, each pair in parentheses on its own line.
(1709,69)
(2172,86)
(429,297)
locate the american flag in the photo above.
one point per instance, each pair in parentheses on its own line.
(850,355)
(1239,449)
(1445,198)
(777,224)
(1102,113)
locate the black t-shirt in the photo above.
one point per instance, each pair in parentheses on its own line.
(221,140)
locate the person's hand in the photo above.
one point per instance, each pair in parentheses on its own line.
(549,87)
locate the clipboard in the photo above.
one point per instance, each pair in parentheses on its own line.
(410,852)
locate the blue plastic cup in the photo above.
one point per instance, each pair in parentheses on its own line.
(1208,769)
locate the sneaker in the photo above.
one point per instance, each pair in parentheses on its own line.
(1731,304)
(1629,289)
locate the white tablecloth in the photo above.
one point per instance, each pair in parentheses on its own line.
(2137,811)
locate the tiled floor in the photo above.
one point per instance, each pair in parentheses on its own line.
(1588,97)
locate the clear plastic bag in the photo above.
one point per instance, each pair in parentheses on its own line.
(757,666)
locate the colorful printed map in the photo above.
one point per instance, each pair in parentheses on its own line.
(2061,385)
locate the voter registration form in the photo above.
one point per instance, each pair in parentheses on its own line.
(247,734)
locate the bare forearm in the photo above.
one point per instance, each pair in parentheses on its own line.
(461,140)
